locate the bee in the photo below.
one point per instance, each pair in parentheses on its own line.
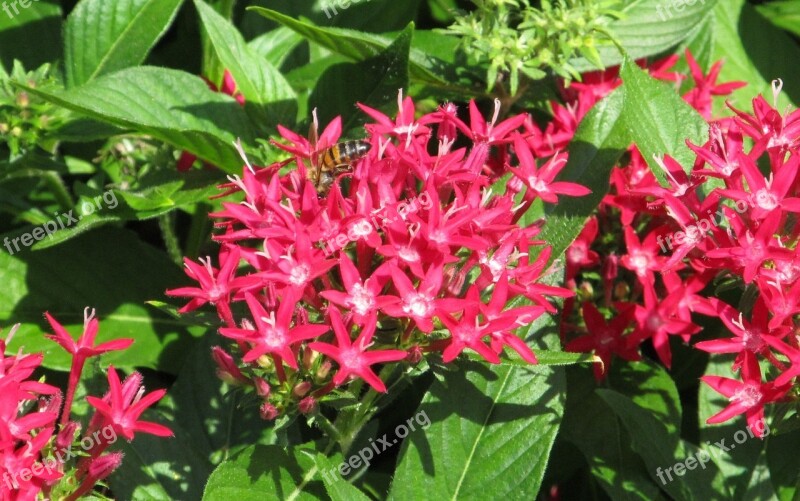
(335,160)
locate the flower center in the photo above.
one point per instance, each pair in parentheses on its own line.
(577,253)
(215,293)
(418,305)
(361,299)
(749,395)
(752,341)
(351,359)
(361,229)
(537,184)
(299,274)
(765,199)
(408,255)
(640,261)
(274,337)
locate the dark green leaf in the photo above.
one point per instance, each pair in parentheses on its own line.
(598,144)
(32,34)
(102,270)
(658,121)
(376,83)
(783,13)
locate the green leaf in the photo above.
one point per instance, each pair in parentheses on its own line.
(603,441)
(361,46)
(660,446)
(783,13)
(338,489)
(210,422)
(269,98)
(598,144)
(102,37)
(154,195)
(266,472)
(754,52)
(103,270)
(276,45)
(169,105)
(543,357)
(379,79)
(490,426)
(651,27)
(658,121)
(31,34)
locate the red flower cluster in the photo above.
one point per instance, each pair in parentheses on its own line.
(731,215)
(417,250)
(42,456)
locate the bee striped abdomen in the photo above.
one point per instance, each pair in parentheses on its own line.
(343,154)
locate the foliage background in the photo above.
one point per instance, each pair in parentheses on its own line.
(123,99)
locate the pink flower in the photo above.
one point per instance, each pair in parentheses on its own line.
(81,350)
(121,409)
(353,357)
(746,397)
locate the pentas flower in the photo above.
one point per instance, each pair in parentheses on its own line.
(352,356)
(216,285)
(273,333)
(37,459)
(540,181)
(81,350)
(122,410)
(747,396)
(727,220)
(606,338)
(419,241)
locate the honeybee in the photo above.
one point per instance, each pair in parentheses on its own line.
(335,160)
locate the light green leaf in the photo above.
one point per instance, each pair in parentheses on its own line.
(276,45)
(167,104)
(102,37)
(490,426)
(754,52)
(269,98)
(267,472)
(658,121)
(598,144)
(651,27)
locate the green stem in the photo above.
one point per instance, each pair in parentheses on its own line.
(56,185)
(170,238)
(198,230)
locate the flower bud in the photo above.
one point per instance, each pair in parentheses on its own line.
(262,387)
(307,406)
(414,355)
(268,411)
(324,370)
(301,389)
(227,370)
